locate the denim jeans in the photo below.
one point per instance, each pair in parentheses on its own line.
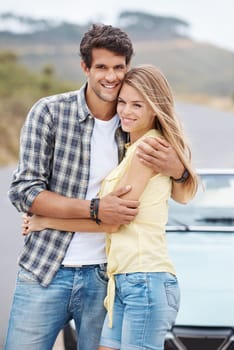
(39,313)
(145,307)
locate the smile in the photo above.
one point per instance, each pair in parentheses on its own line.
(128,120)
(110,86)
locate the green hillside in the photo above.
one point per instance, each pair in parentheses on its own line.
(45,61)
(19,89)
(192,67)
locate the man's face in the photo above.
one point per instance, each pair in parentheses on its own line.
(106,74)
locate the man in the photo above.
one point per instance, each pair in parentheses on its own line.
(69,143)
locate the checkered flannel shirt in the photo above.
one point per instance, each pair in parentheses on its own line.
(55,156)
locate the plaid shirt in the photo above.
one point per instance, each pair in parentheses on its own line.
(54,155)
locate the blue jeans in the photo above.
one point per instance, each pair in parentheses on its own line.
(145,308)
(39,313)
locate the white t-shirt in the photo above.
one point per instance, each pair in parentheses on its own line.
(89,248)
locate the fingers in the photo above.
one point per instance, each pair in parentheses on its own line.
(147,161)
(121,191)
(115,210)
(125,214)
(154,147)
(157,143)
(146,153)
(25,225)
(155,153)
(25,229)
(154,150)
(124,202)
(127,220)
(25,232)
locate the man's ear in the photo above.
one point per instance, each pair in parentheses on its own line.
(84,67)
(127,67)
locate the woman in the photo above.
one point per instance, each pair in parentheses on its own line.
(143,292)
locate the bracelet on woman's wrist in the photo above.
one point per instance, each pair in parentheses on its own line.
(94,208)
(183,178)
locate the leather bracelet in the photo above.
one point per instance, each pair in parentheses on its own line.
(94,208)
(183,178)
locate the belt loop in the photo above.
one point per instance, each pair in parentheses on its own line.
(103,266)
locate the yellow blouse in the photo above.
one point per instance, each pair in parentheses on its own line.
(141,245)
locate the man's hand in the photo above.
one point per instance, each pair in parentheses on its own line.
(159,155)
(115,210)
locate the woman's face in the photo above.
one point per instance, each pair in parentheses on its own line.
(136,115)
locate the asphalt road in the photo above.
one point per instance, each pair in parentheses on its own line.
(210,133)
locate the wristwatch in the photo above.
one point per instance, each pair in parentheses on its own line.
(183,178)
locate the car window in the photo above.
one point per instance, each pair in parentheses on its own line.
(212,205)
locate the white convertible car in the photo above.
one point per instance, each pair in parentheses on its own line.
(201,244)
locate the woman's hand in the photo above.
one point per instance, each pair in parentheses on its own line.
(32,223)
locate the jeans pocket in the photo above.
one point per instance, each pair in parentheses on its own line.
(101,274)
(26,276)
(173,293)
(135,277)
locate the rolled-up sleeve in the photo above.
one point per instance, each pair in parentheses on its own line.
(35,159)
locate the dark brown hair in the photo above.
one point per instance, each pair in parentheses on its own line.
(105,37)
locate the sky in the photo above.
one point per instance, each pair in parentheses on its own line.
(210,20)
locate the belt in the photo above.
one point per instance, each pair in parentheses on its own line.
(102,266)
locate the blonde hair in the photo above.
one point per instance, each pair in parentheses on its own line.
(150,82)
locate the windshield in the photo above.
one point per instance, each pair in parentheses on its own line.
(213,204)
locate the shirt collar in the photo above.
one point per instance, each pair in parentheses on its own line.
(83,109)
